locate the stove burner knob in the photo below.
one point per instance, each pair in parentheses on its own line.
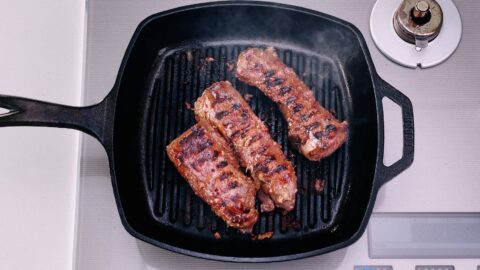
(418,21)
(421,13)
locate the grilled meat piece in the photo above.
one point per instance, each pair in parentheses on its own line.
(205,160)
(312,129)
(225,109)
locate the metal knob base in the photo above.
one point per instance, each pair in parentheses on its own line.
(418,21)
(406,48)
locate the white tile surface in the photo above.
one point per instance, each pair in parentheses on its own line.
(41,46)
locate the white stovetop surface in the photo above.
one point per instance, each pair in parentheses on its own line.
(41,57)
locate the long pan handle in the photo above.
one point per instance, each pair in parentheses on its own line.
(28,112)
(388,172)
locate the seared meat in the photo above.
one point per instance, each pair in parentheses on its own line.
(224,108)
(266,203)
(205,160)
(312,129)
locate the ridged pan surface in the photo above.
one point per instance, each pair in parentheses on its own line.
(179,77)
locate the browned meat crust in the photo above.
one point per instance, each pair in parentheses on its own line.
(206,161)
(224,108)
(312,129)
(266,203)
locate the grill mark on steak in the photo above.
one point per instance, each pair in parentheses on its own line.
(297,107)
(304,117)
(318,135)
(244,114)
(330,128)
(269,74)
(284,90)
(270,80)
(291,101)
(312,126)
(277,81)
(196,133)
(269,159)
(220,115)
(254,139)
(225,175)
(233,185)
(278,169)
(259,151)
(196,142)
(222,164)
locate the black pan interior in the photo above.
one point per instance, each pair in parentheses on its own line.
(173,57)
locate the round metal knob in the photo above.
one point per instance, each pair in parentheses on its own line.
(418,21)
(421,12)
(422,6)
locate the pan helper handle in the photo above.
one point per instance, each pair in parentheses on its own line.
(385,173)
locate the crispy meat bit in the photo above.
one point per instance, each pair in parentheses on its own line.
(318,185)
(262,236)
(188,106)
(230,66)
(266,203)
(248,97)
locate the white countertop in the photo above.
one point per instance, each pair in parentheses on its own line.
(41,55)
